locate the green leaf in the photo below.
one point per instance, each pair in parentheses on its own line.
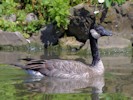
(57,18)
(45,2)
(107,3)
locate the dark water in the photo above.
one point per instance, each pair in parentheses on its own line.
(117,83)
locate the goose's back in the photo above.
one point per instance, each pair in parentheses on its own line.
(67,65)
(63,68)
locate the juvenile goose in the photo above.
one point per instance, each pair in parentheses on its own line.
(70,68)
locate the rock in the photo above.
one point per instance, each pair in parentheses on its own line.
(31,17)
(11,18)
(80,6)
(70,42)
(130,16)
(132,39)
(126,8)
(114,42)
(117,8)
(12,38)
(117,18)
(111,16)
(80,23)
(48,35)
(110,42)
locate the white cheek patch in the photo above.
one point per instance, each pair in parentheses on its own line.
(95,34)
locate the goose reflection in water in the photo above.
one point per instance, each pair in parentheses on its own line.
(50,85)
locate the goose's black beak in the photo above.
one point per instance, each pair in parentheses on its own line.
(102,31)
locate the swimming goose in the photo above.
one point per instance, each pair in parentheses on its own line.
(70,68)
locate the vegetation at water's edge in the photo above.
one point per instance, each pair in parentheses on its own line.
(46,11)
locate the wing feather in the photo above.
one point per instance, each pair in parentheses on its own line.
(59,68)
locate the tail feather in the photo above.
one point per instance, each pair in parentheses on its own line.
(31,59)
(32,65)
(18,65)
(31,71)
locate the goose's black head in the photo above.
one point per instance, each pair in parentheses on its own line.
(97,31)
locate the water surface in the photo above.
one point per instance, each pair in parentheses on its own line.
(16,84)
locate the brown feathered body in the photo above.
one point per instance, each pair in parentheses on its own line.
(65,68)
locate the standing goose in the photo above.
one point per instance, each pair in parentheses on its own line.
(70,68)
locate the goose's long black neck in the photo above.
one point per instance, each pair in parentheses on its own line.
(94,51)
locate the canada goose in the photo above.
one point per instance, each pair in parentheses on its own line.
(70,68)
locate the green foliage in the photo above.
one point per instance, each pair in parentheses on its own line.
(75,2)
(47,11)
(58,11)
(6,4)
(108,3)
